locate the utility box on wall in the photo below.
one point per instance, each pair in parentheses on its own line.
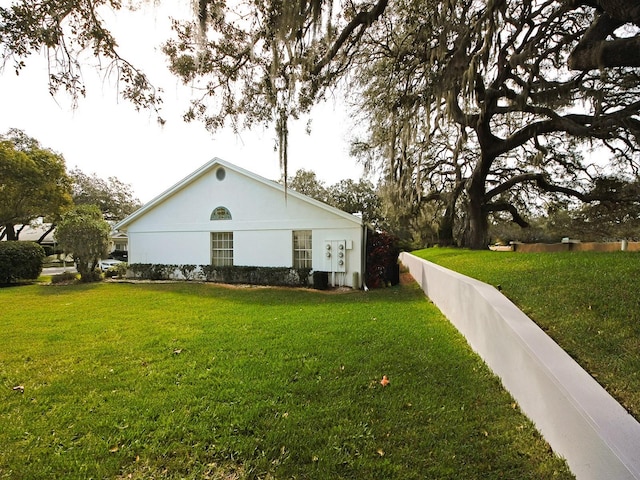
(335,256)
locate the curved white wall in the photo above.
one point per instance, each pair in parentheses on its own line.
(578,418)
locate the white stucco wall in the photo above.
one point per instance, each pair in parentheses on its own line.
(177,228)
(578,418)
(263,248)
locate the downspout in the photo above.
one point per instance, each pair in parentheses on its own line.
(363,266)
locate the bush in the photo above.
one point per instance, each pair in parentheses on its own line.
(20,261)
(65,277)
(91,276)
(119,270)
(382,260)
(276,276)
(152,271)
(189,272)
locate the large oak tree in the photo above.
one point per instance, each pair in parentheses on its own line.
(498,73)
(33,182)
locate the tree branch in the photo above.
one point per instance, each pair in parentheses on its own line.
(363,18)
(507,207)
(541,182)
(594,51)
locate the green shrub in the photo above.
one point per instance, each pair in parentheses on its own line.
(188,271)
(64,277)
(152,271)
(20,261)
(382,260)
(119,270)
(276,276)
(91,276)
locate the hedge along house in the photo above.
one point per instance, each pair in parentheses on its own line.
(222,215)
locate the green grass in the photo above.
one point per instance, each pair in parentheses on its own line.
(202,381)
(588,302)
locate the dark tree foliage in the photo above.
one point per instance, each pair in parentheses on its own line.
(307,183)
(33,183)
(357,198)
(68,30)
(115,199)
(347,195)
(474,105)
(519,90)
(259,63)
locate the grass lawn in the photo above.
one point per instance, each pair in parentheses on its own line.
(203,381)
(588,302)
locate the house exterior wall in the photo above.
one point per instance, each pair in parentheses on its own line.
(177,230)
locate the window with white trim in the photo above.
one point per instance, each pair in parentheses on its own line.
(222,249)
(302,257)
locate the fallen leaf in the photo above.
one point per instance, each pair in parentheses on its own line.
(385,381)
(177,351)
(380,452)
(114,449)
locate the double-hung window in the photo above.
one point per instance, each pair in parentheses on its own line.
(302,249)
(222,249)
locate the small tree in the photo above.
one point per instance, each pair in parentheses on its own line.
(85,234)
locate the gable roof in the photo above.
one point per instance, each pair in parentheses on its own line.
(212,164)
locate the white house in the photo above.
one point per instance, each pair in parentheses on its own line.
(224,215)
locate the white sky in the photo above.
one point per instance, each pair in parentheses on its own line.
(106,136)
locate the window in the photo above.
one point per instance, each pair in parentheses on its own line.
(220,213)
(222,249)
(302,249)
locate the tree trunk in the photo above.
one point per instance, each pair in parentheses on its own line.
(10,232)
(445,228)
(478,233)
(445,232)
(43,236)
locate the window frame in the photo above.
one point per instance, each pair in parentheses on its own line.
(302,246)
(222,249)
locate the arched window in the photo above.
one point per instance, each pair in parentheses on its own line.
(221,213)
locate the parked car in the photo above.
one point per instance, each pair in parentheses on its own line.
(105,265)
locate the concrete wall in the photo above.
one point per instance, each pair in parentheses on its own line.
(575,247)
(578,418)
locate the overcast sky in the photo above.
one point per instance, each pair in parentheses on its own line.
(106,136)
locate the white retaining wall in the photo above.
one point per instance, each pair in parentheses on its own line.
(578,418)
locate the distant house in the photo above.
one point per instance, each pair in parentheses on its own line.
(39,231)
(223,215)
(45,235)
(118,242)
